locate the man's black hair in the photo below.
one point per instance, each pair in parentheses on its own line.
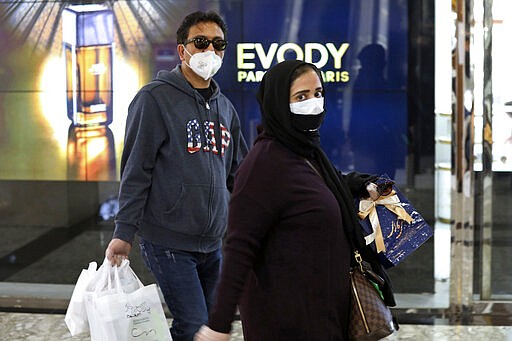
(195,18)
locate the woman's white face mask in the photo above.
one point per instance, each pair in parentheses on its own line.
(205,64)
(308,115)
(312,106)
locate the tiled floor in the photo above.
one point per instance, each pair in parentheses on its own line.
(47,327)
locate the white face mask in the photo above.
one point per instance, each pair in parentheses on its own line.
(308,115)
(313,106)
(205,64)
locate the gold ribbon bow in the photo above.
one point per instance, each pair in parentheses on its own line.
(368,208)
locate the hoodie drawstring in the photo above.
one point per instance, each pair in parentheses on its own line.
(220,145)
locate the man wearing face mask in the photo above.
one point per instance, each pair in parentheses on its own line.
(183,145)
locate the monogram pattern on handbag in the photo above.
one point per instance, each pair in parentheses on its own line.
(370,318)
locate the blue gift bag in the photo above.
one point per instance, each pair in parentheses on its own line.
(392,226)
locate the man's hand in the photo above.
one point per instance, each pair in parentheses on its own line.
(207,334)
(117,250)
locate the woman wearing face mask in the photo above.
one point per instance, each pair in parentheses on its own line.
(287,253)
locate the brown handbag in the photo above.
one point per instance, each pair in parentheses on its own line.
(370,317)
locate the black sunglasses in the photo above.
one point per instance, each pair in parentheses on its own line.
(202,43)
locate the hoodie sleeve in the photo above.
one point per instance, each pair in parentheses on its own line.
(240,150)
(145,132)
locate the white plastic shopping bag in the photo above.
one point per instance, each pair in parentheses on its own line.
(120,308)
(76,315)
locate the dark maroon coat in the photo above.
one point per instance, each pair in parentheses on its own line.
(287,248)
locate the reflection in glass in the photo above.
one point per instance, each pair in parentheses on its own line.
(88,36)
(377,121)
(91,153)
(165,56)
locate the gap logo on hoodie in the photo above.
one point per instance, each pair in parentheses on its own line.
(194,142)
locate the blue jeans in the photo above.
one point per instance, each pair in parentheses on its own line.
(188,281)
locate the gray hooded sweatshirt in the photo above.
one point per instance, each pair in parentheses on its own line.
(179,160)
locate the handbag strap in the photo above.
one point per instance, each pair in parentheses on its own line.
(357,256)
(313,168)
(363,266)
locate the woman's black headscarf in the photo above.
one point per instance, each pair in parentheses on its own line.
(274,99)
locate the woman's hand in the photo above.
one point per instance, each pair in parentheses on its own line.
(373,191)
(207,334)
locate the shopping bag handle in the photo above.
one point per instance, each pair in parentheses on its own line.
(92,267)
(99,280)
(108,277)
(125,267)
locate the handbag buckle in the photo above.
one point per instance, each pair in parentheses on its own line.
(359,260)
(366,269)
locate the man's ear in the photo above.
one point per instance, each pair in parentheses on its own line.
(181,51)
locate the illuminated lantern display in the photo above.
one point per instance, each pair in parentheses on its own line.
(88,38)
